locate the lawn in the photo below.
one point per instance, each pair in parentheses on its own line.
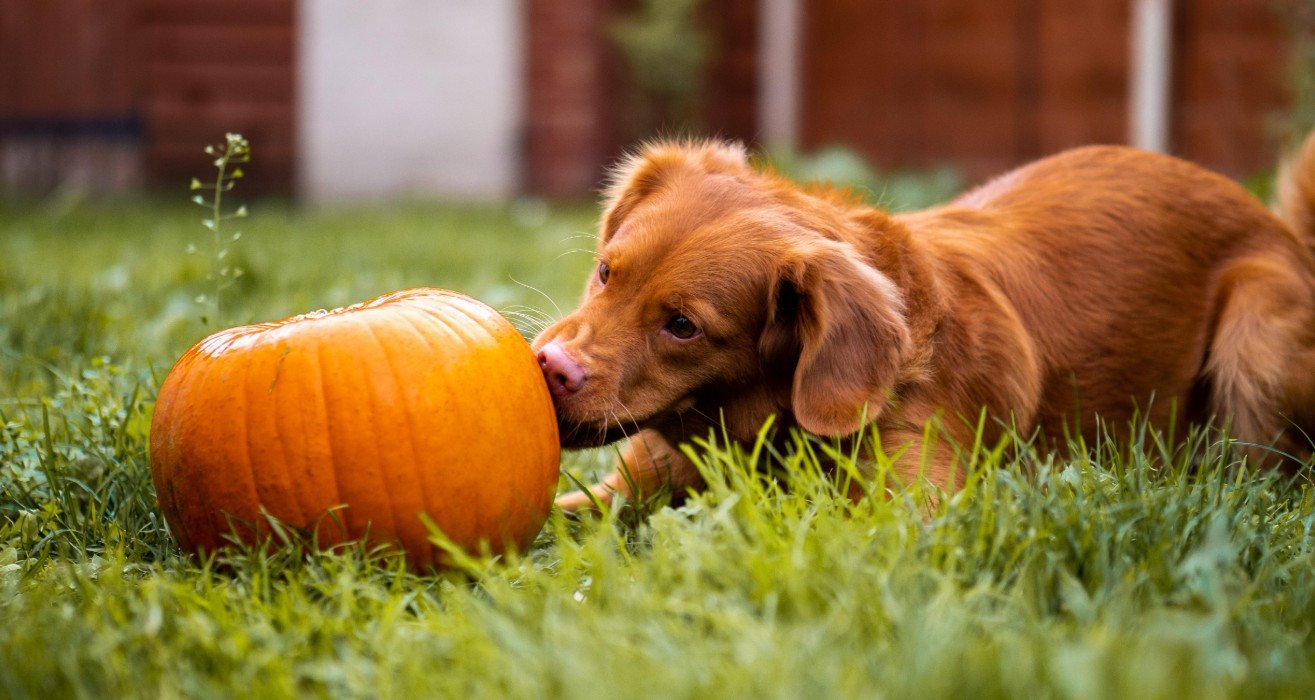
(1145,569)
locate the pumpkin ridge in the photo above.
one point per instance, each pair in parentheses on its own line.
(277,391)
(440,321)
(454,330)
(550,454)
(258,498)
(495,333)
(498,329)
(194,467)
(200,486)
(490,327)
(415,328)
(447,329)
(379,462)
(439,353)
(286,477)
(410,423)
(338,501)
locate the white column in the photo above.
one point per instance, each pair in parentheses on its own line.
(779,68)
(1151,69)
(408,98)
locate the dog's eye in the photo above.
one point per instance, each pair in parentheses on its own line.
(681,327)
(603,272)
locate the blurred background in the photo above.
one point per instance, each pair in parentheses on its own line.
(489,99)
(461,143)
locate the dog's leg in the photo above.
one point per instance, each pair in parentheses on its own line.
(917,455)
(1300,433)
(1260,358)
(648,462)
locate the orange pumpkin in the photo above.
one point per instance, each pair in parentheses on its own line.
(422,401)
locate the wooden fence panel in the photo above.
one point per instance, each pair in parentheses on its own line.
(992,85)
(66,58)
(67,96)
(1230,82)
(212,66)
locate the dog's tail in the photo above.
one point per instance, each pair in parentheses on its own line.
(1296,191)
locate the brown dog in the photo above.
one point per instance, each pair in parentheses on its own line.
(1098,282)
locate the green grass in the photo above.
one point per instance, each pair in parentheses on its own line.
(1143,570)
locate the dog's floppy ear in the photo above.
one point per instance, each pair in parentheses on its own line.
(846,320)
(640,174)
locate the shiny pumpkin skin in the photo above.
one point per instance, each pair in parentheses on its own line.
(419,401)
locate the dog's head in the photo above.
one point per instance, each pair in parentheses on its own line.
(715,279)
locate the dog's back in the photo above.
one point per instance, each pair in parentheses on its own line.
(1147,283)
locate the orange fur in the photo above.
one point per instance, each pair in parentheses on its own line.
(1095,283)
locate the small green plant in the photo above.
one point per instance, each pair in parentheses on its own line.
(898,190)
(667,51)
(233,153)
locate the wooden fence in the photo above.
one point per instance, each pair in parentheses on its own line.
(988,85)
(109,94)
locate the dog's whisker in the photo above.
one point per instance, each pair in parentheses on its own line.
(526,322)
(590,236)
(633,421)
(538,321)
(572,433)
(520,314)
(530,310)
(540,292)
(619,425)
(707,417)
(575,251)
